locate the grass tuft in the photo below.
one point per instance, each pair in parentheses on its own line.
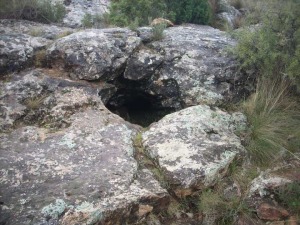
(274,117)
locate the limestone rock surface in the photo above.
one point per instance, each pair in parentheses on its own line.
(193,147)
(17,51)
(77,9)
(48,31)
(83,172)
(94,54)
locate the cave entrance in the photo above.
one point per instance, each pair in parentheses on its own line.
(137,107)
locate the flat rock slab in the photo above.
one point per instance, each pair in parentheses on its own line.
(193,147)
(83,173)
(48,31)
(94,54)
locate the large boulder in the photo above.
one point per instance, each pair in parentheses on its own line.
(193,147)
(191,65)
(196,58)
(81,173)
(94,54)
(17,51)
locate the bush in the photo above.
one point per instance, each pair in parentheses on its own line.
(274,117)
(158,31)
(87,20)
(125,12)
(35,10)
(189,11)
(273,47)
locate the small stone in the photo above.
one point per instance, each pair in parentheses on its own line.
(271,212)
(293,220)
(158,21)
(144,210)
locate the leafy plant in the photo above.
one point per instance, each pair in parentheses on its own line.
(273,47)
(274,117)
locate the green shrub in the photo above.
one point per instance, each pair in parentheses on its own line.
(189,11)
(87,20)
(35,10)
(125,12)
(274,117)
(158,31)
(273,47)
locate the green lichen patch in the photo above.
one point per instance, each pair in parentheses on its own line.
(54,210)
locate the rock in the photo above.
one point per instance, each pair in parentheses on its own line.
(190,66)
(270,212)
(158,21)
(81,173)
(34,29)
(142,64)
(228,14)
(17,51)
(34,97)
(145,33)
(293,220)
(196,60)
(192,147)
(77,9)
(265,184)
(94,54)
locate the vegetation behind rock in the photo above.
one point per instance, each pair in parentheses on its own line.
(35,10)
(125,12)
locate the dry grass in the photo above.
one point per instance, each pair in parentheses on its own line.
(274,117)
(40,58)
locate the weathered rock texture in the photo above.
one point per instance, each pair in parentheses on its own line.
(94,54)
(82,173)
(48,31)
(195,58)
(193,147)
(17,51)
(77,9)
(228,15)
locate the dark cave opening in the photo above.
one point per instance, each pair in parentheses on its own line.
(137,107)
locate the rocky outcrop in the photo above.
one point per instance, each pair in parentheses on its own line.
(189,66)
(80,173)
(193,147)
(17,51)
(94,54)
(195,58)
(77,9)
(228,14)
(34,97)
(34,29)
